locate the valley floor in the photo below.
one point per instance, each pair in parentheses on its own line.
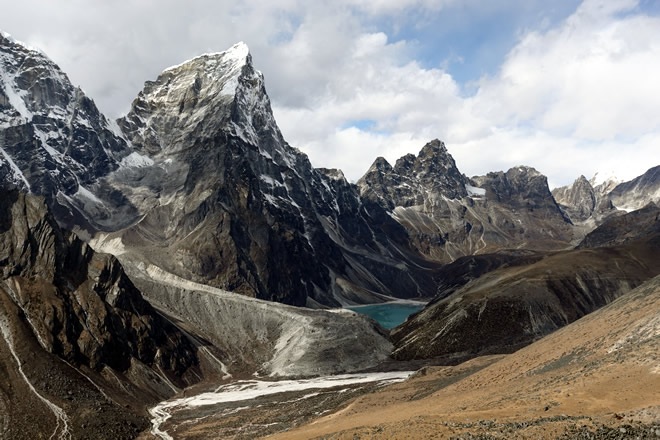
(449,403)
(468,401)
(598,378)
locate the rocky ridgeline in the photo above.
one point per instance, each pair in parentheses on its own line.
(499,303)
(447,215)
(198,182)
(586,203)
(56,143)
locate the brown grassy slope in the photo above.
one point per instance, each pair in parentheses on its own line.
(603,369)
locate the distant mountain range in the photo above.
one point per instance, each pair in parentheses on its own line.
(196,193)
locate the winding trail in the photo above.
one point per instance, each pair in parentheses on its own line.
(62,426)
(251,389)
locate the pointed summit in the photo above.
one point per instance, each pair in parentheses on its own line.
(236,56)
(210,93)
(239,52)
(577,200)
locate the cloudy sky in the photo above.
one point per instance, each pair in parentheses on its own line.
(569,87)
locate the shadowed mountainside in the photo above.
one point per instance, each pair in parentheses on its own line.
(80,345)
(510,307)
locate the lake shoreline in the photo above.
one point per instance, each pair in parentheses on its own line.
(389,314)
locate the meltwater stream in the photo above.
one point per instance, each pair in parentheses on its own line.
(246,390)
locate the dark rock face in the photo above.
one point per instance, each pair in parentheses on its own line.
(414,179)
(75,310)
(577,200)
(621,229)
(242,210)
(55,142)
(515,304)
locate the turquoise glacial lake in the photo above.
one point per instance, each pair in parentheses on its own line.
(389,315)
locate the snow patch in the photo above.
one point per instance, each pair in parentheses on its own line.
(474,191)
(15,97)
(87,194)
(236,54)
(18,174)
(270,181)
(136,160)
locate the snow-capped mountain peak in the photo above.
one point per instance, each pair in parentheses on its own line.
(238,55)
(219,69)
(209,91)
(55,142)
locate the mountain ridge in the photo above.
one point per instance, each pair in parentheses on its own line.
(199,194)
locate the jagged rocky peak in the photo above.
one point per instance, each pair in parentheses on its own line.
(637,192)
(39,103)
(435,167)
(413,178)
(577,200)
(30,82)
(332,173)
(55,142)
(380,165)
(210,92)
(520,184)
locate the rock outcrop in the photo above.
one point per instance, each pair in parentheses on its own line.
(76,332)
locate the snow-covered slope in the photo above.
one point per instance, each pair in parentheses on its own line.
(637,193)
(588,204)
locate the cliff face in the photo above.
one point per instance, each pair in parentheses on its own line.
(54,142)
(70,312)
